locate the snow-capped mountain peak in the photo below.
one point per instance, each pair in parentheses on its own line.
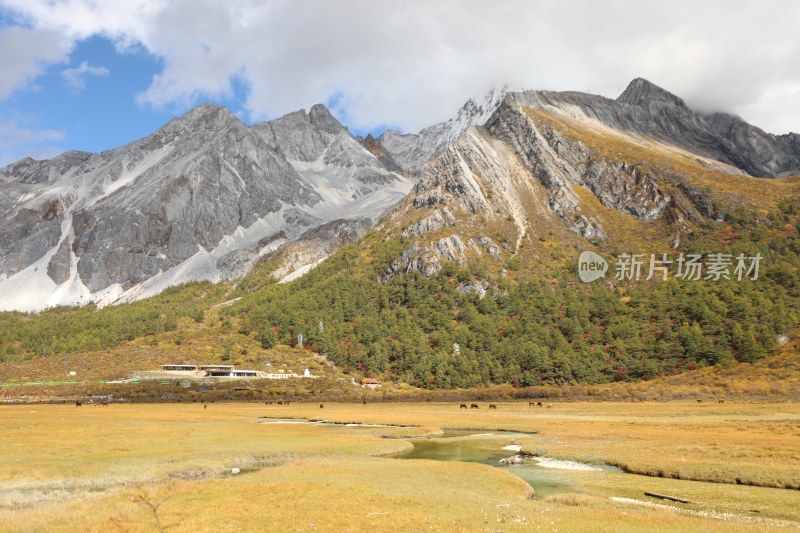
(412,150)
(203,197)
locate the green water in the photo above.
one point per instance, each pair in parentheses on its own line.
(487,448)
(471,446)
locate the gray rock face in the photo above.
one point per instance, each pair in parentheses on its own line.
(206,174)
(427,259)
(28,234)
(206,196)
(412,150)
(34,171)
(646,109)
(437,219)
(540,153)
(316,244)
(474,287)
(479,173)
(59,266)
(196,200)
(489,246)
(642,93)
(450,249)
(301,136)
(334,163)
(558,161)
(765,154)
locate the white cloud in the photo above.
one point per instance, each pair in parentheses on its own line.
(25,53)
(412,63)
(17,142)
(76,77)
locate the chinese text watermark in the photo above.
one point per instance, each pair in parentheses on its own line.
(694,267)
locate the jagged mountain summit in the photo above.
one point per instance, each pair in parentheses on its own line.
(204,197)
(640,171)
(410,151)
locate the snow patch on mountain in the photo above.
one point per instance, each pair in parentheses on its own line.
(412,150)
(300,272)
(203,198)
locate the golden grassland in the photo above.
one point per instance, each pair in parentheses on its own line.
(776,376)
(107,468)
(754,443)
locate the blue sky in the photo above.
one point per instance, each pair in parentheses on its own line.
(96,112)
(102,113)
(90,75)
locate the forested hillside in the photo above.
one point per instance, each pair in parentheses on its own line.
(78,329)
(472,278)
(545,328)
(530,327)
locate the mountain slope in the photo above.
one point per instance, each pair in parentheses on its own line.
(412,150)
(471,279)
(202,198)
(548,162)
(648,110)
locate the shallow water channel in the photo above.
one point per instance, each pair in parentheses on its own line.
(487,448)
(549,476)
(476,446)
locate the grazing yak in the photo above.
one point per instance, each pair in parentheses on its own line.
(474,406)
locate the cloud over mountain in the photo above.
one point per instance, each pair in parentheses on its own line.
(405,64)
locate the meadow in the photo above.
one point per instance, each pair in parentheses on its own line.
(156,467)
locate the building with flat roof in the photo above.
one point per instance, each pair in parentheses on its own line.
(246,374)
(370,383)
(228,368)
(179,368)
(213,371)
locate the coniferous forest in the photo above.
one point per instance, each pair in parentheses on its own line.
(531,330)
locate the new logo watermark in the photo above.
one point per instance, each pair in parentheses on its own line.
(694,267)
(591,267)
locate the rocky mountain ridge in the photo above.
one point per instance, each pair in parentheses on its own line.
(546,162)
(410,151)
(207,197)
(204,197)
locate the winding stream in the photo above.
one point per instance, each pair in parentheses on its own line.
(487,448)
(551,476)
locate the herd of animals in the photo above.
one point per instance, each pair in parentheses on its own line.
(104,402)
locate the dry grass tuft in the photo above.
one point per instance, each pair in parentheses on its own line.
(572,499)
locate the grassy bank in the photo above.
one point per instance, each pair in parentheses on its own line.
(124,466)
